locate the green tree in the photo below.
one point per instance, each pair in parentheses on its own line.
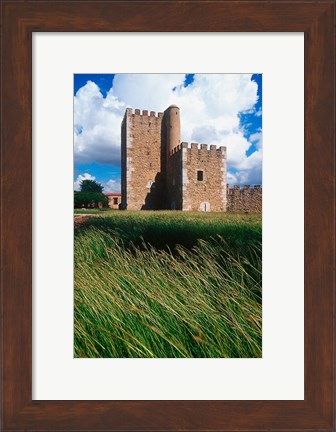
(90,195)
(91,186)
(89,200)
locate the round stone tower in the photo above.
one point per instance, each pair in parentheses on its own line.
(173,127)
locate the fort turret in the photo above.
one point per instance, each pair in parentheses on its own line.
(172,115)
(172,137)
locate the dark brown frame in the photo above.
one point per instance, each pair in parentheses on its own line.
(19,20)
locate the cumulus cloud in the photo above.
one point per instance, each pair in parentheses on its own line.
(109,186)
(112,186)
(97,126)
(256,139)
(153,92)
(85,176)
(210,113)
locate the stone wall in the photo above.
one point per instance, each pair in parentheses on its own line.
(113,200)
(204,178)
(174,180)
(142,181)
(244,200)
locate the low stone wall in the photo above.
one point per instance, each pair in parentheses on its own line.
(244,200)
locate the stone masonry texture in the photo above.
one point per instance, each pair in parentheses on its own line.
(244,200)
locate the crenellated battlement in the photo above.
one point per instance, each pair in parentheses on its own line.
(144,113)
(194,148)
(242,188)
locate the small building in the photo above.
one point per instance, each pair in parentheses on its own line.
(114,199)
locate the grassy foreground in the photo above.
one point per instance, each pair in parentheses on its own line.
(168,284)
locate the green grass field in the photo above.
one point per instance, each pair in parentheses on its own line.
(168,284)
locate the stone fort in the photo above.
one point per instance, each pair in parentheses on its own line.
(159,172)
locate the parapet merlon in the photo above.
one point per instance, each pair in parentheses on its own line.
(199,147)
(144,113)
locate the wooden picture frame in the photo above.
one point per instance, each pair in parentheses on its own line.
(19,21)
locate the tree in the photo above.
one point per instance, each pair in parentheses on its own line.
(91,186)
(90,195)
(89,200)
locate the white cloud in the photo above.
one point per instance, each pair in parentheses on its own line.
(210,108)
(256,139)
(97,126)
(249,171)
(259,112)
(153,92)
(85,176)
(245,177)
(109,186)
(232,179)
(112,186)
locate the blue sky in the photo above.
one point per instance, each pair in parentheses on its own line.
(215,109)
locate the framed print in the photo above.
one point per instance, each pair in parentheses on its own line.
(275,375)
(182,398)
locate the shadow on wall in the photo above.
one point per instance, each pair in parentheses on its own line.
(155,197)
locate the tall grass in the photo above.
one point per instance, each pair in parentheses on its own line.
(168,285)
